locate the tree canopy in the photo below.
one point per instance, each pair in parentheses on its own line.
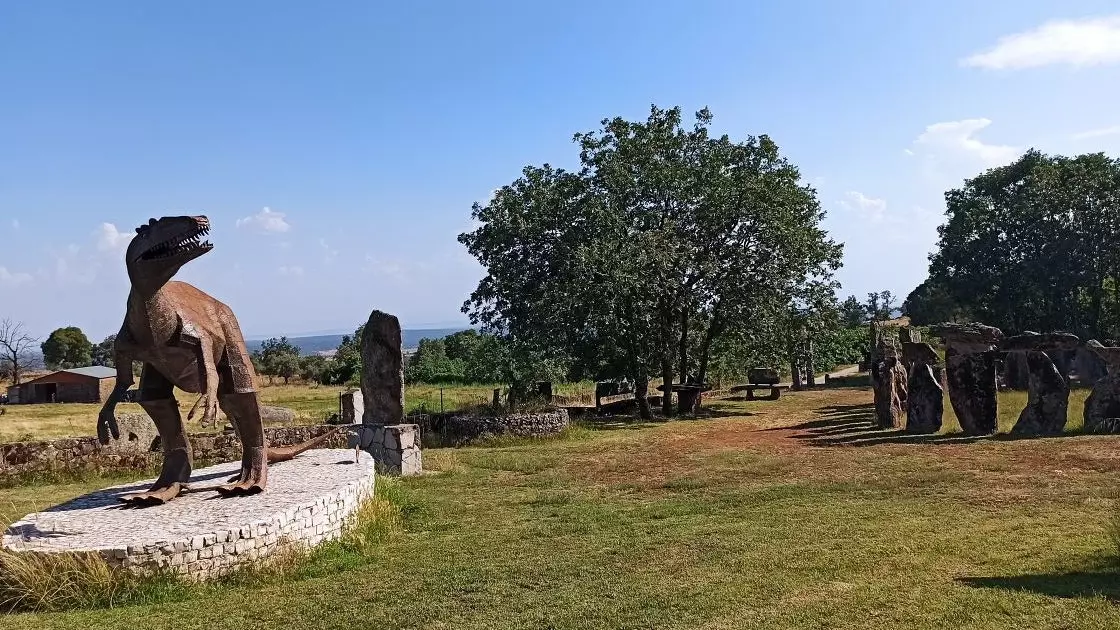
(1030,246)
(664,245)
(67,348)
(277,358)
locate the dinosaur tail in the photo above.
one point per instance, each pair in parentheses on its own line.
(285,453)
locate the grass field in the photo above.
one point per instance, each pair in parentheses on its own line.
(787,514)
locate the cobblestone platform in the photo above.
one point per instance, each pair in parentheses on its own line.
(201,534)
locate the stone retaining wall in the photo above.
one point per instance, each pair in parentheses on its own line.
(453,430)
(309,500)
(85,454)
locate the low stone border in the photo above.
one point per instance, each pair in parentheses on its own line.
(457,430)
(134,450)
(308,501)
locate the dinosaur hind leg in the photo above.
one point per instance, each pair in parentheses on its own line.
(158,400)
(244,411)
(237,397)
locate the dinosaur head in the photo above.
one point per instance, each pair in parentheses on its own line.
(162,246)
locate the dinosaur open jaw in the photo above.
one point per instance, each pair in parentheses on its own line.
(178,246)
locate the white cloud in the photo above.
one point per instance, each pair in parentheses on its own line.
(110,239)
(1079,43)
(869,207)
(266,221)
(329,253)
(955,142)
(72,266)
(15,224)
(1097,133)
(293,271)
(13,278)
(391,269)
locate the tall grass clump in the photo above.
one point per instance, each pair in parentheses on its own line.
(47,582)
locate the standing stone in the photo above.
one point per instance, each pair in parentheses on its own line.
(1102,407)
(970,366)
(1047,399)
(888,374)
(925,404)
(353,407)
(1089,367)
(1047,389)
(382,370)
(1015,371)
(925,401)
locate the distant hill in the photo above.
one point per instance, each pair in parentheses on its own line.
(410,338)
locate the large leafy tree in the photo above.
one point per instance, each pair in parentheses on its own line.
(1031,246)
(67,348)
(664,243)
(278,357)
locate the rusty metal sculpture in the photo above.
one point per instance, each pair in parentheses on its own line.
(186,339)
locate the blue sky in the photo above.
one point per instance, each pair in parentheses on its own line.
(337,147)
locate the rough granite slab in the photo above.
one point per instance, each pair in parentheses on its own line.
(202,534)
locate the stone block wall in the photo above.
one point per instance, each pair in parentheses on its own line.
(85,454)
(395,448)
(310,500)
(457,430)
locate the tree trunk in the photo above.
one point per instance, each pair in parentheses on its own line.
(667,387)
(683,349)
(810,369)
(715,327)
(641,395)
(795,374)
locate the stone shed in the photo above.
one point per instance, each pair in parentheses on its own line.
(78,385)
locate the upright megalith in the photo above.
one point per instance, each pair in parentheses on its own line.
(1102,407)
(970,369)
(382,370)
(888,376)
(925,404)
(1047,389)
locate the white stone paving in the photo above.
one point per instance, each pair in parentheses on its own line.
(201,533)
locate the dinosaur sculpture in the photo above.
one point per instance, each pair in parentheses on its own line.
(186,339)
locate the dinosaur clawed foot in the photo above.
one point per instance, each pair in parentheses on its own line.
(157,495)
(253,476)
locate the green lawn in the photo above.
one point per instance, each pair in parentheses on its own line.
(787,514)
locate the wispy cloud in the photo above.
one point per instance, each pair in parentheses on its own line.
(1078,43)
(958,137)
(869,207)
(329,253)
(294,271)
(110,239)
(1097,133)
(266,221)
(13,278)
(15,224)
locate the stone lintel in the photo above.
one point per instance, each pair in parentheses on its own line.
(1039,342)
(919,353)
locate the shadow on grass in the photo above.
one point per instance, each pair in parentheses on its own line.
(1064,585)
(854,425)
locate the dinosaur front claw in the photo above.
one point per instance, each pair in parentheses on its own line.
(209,406)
